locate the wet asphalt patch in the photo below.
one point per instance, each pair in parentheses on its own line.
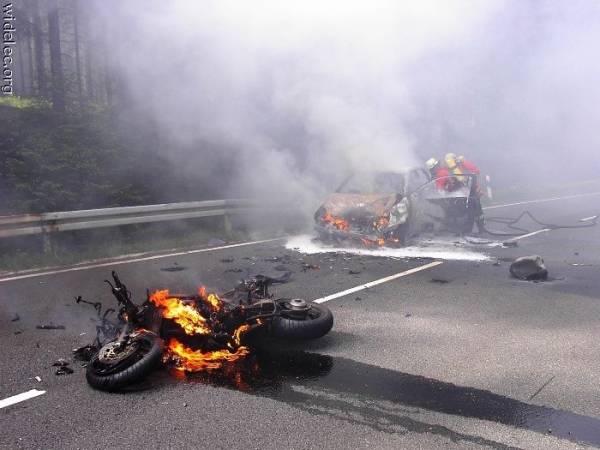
(350,390)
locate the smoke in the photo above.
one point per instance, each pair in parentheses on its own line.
(281,99)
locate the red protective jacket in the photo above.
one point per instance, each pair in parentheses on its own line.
(469,167)
(441,182)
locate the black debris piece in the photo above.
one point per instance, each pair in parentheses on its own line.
(17,332)
(354,272)
(236,270)
(61,362)
(84,353)
(439,280)
(357,299)
(507,244)
(15,318)
(173,268)
(530,268)
(273,259)
(50,326)
(64,370)
(227,260)
(408,315)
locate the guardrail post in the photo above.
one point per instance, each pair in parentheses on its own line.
(227,225)
(46,243)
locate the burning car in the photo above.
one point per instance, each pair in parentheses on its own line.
(386,208)
(200,332)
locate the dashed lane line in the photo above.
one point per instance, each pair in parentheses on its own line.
(379,281)
(20,398)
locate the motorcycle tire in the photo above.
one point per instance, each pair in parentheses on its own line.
(317,323)
(137,360)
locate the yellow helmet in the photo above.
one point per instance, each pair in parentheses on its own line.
(431,163)
(450,159)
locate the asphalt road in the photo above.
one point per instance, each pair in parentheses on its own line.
(458,355)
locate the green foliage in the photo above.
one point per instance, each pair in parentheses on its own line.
(15,101)
(52,162)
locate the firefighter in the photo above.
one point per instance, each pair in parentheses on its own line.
(441,175)
(464,166)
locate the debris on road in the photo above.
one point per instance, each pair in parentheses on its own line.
(307,266)
(173,268)
(236,270)
(85,352)
(354,272)
(439,281)
(38,379)
(50,326)
(15,318)
(507,244)
(529,268)
(227,260)
(61,362)
(64,370)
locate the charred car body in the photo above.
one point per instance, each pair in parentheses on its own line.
(387,208)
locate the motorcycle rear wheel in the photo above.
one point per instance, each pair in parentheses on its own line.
(317,323)
(113,368)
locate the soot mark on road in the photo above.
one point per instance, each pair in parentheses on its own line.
(350,390)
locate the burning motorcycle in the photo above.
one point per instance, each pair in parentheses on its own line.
(193,332)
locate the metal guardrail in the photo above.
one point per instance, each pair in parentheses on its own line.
(52,222)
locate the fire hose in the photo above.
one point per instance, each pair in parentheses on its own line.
(511,223)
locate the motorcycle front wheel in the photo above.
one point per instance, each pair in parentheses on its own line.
(317,322)
(118,365)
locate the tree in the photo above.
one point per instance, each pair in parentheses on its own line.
(58,80)
(40,67)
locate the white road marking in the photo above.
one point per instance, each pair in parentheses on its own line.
(133,260)
(587,219)
(523,236)
(379,281)
(542,200)
(20,398)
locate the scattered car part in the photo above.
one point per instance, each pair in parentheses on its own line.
(50,326)
(529,268)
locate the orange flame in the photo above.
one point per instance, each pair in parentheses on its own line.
(212,299)
(186,316)
(337,222)
(190,360)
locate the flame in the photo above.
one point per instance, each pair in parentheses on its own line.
(212,299)
(186,316)
(337,222)
(190,360)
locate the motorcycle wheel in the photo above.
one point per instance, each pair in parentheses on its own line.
(112,368)
(317,322)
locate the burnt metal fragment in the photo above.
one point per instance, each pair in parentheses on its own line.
(173,268)
(85,352)
(64,370)
(50,326)
(61,362)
